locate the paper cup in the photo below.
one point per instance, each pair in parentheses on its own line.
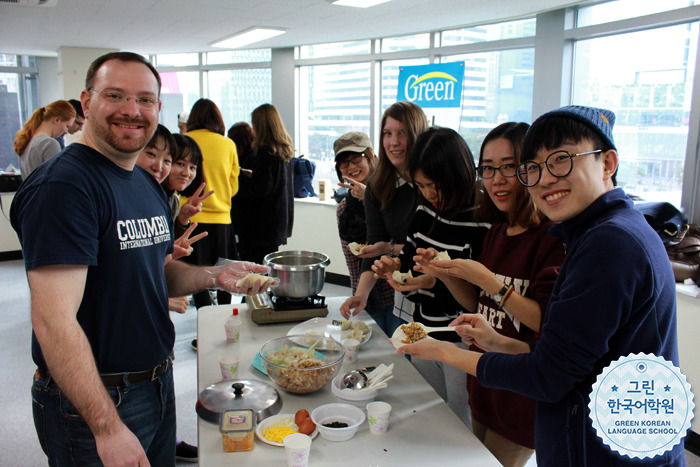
(229,367)
(351,346)
(378,417)
(297,447)
(233,329)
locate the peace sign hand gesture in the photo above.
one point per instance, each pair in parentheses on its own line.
(193,205)
(182,246)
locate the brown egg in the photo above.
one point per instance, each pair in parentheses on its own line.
(307,426)
(300,416)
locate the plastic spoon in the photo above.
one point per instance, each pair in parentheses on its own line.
(399,335)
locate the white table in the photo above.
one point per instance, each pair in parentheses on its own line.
(422,430)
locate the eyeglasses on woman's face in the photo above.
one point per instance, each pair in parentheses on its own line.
(356,159)
(487,171)
(559,163)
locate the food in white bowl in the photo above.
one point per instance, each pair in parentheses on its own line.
(302,369)
(337,421)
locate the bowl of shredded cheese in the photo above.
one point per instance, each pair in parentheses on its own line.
(273,429)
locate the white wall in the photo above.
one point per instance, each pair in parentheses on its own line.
(49,84)
(316,229)
(689,347)
(73,63)
(8,237)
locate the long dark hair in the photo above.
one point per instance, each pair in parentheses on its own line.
(187,148)
(205,115)
(523,212)
(414,122)
(443,156)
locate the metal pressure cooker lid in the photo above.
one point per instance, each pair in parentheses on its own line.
(252,394)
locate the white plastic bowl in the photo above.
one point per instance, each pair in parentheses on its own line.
(357,398)
(337,412)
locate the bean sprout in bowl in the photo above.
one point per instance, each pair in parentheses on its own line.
(302,364)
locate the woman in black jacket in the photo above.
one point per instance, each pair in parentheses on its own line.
(267,219)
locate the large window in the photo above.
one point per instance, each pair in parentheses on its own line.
(390,79)
(236,80)
(180,90)
(334,99)
(497,88)
(19,96)
(649,87)
(238,92)
(623,9)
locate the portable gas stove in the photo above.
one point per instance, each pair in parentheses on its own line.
(267,308)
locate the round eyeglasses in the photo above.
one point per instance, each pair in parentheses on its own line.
(487,171)
(351,160)
(559,163)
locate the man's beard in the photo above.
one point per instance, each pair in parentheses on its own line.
(125,143)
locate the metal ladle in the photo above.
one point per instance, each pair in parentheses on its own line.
(356,379)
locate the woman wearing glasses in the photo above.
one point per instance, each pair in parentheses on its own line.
(354,163)
(510,285)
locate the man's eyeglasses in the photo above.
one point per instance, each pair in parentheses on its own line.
(486,171)
(351,160)
(114,97)
(559,163)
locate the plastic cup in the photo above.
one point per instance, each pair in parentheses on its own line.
(378,417)
(297,447)
(233,329)
(229,367)
(351,346)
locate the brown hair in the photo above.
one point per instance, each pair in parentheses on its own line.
(269,131)
(122,57)
(242,134)
(523,212)
(415,123)
(60,109)
(205,115)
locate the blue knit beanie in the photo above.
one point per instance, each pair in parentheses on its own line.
(599,120)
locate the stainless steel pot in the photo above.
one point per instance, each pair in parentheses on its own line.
(301,273)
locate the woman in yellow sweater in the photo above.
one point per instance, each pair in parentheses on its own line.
(206,126)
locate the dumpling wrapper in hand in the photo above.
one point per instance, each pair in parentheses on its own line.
(356,248)
(401,277)
(254,278)
(443,256)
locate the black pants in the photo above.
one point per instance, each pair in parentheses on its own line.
(207,251)
(255,251)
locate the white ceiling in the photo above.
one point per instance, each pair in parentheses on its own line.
(170,26)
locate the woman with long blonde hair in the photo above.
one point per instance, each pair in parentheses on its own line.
(35,143)
(266,221)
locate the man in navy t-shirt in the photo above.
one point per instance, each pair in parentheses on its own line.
(96,235)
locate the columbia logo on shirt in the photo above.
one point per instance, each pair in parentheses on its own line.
(138,233)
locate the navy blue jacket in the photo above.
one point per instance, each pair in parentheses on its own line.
(615,295)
